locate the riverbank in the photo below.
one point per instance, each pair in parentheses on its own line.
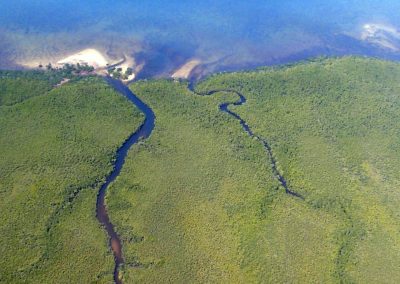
(142,132)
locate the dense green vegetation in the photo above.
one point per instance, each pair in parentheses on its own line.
(197,202)
(56,147)
(17,86)
(339,148)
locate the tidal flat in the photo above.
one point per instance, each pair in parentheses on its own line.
(161,37)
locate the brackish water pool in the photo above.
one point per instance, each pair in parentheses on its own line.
(223,35)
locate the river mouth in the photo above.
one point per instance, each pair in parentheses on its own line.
(143,132)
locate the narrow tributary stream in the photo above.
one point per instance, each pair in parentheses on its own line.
(224,107)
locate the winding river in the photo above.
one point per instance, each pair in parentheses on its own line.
(142,132)
(224,107)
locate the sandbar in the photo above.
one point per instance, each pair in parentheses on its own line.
(185,70)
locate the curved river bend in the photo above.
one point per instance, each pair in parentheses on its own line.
(142,132)
(224,107)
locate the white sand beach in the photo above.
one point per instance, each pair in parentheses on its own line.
(88,56)
(185,70)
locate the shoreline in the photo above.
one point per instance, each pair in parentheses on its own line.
(252,68)
(89,57)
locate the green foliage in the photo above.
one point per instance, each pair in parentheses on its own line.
(117,73)
(210,215)
(197,202)
(16,86)
(333,125)
(76,69)
(56,147)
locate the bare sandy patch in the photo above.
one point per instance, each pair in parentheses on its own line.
(185,70)
(90,56)
(99,59)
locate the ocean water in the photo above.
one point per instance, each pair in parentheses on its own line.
(224,35)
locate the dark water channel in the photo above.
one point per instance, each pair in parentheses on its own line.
(141,133)
(224,107)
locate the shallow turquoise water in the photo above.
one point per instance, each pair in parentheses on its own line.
(225,35)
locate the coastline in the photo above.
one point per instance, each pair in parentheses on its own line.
(100,64)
